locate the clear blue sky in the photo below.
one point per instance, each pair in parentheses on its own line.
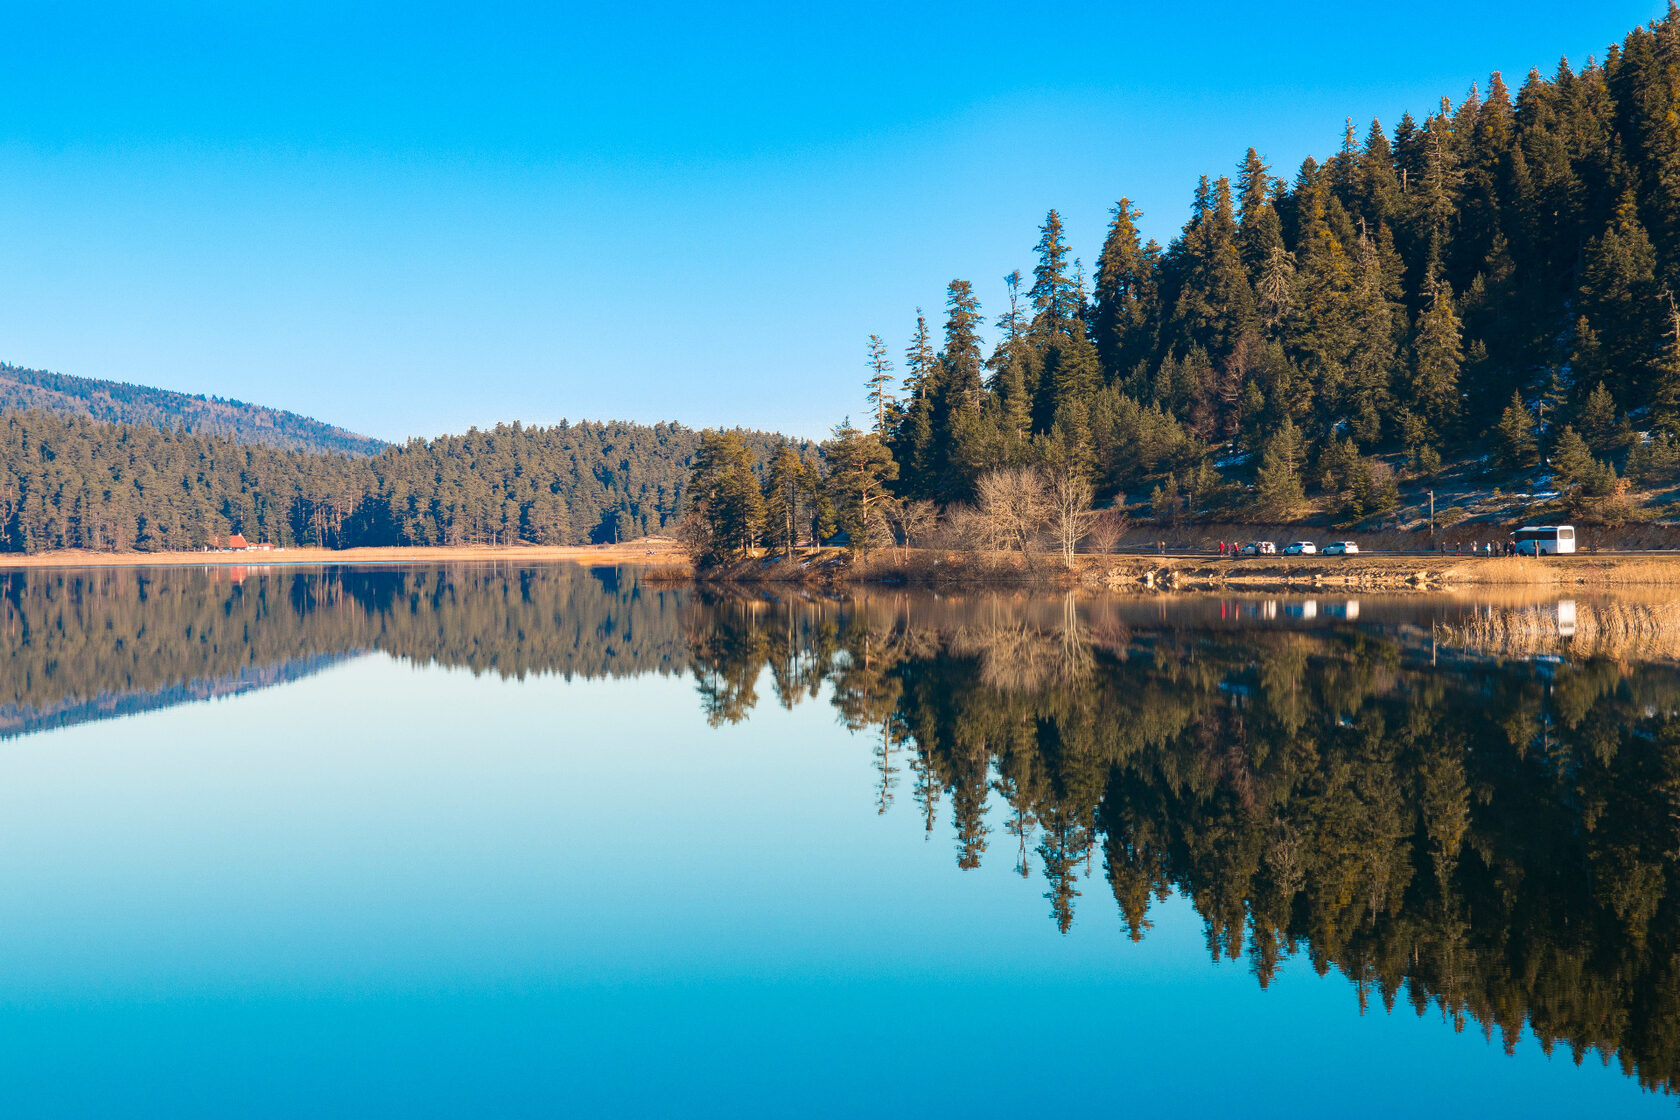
(413,218)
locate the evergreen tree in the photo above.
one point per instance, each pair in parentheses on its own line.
(1437,354)
(1619,296)
(1214,303)
(1517,444)
(1596,420)
(859,470)
(786,498)
(726,508)
(960,361)
(1574,469)
(879,385)
(1260,232)
(1053,292)
(912,441)
(1120,323)
(1278,483)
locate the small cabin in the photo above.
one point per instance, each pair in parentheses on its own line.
(1544,540)
(237,543)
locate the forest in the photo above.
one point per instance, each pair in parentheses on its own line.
(1490,294)
(73,482)
(1499,278)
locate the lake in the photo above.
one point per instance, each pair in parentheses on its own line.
(558,841)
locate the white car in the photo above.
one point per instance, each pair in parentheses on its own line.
(1341,548)
(1259,548)
(1301,548)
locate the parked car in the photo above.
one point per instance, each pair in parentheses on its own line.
(1301,548)
(1259,548)
(1341,548)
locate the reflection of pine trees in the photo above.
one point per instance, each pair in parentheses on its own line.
(1496,841)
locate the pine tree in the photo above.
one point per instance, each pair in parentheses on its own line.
(960,361)
(1575,470)
(785,497)
(912,441)
(1665,370)
(1437,355)
(1052,293)
(1260,231)
(725,503)
(1517,444)
(1619,295)
(1596,419)
(1120,322)
(1278,482)
(859,470)
(879,385)
(1214,303)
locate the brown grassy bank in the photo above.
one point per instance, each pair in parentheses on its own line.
(1181,572)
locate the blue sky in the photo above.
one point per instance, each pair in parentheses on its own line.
(411,218)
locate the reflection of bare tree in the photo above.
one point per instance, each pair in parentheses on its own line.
(1021,656)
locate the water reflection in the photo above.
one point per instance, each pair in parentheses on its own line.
(1467,806)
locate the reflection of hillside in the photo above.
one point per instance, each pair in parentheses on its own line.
(85,645)
(16,721)
(1498,841)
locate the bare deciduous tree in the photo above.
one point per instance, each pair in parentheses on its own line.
(1106,528)
(1070,499)
(916,521)
(1014,503)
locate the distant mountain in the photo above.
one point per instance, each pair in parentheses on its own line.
(120,402)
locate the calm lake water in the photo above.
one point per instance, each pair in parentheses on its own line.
(494,841)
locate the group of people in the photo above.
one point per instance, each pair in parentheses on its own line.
(1230,548)
(1507,547)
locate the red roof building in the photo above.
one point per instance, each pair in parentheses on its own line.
(237,542)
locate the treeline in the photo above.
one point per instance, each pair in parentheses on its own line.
(71,482)
(1502,274)
(121,403)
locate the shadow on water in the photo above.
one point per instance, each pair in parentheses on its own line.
(1458,804)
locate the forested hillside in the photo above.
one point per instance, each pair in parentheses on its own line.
(1499,277)
(72,482)
(138,404)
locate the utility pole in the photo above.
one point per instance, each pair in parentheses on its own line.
(1432,515)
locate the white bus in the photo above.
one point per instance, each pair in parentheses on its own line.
(1545,540)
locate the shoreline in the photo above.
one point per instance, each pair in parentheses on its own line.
(1173,572)
(1190,572)
(660,554)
